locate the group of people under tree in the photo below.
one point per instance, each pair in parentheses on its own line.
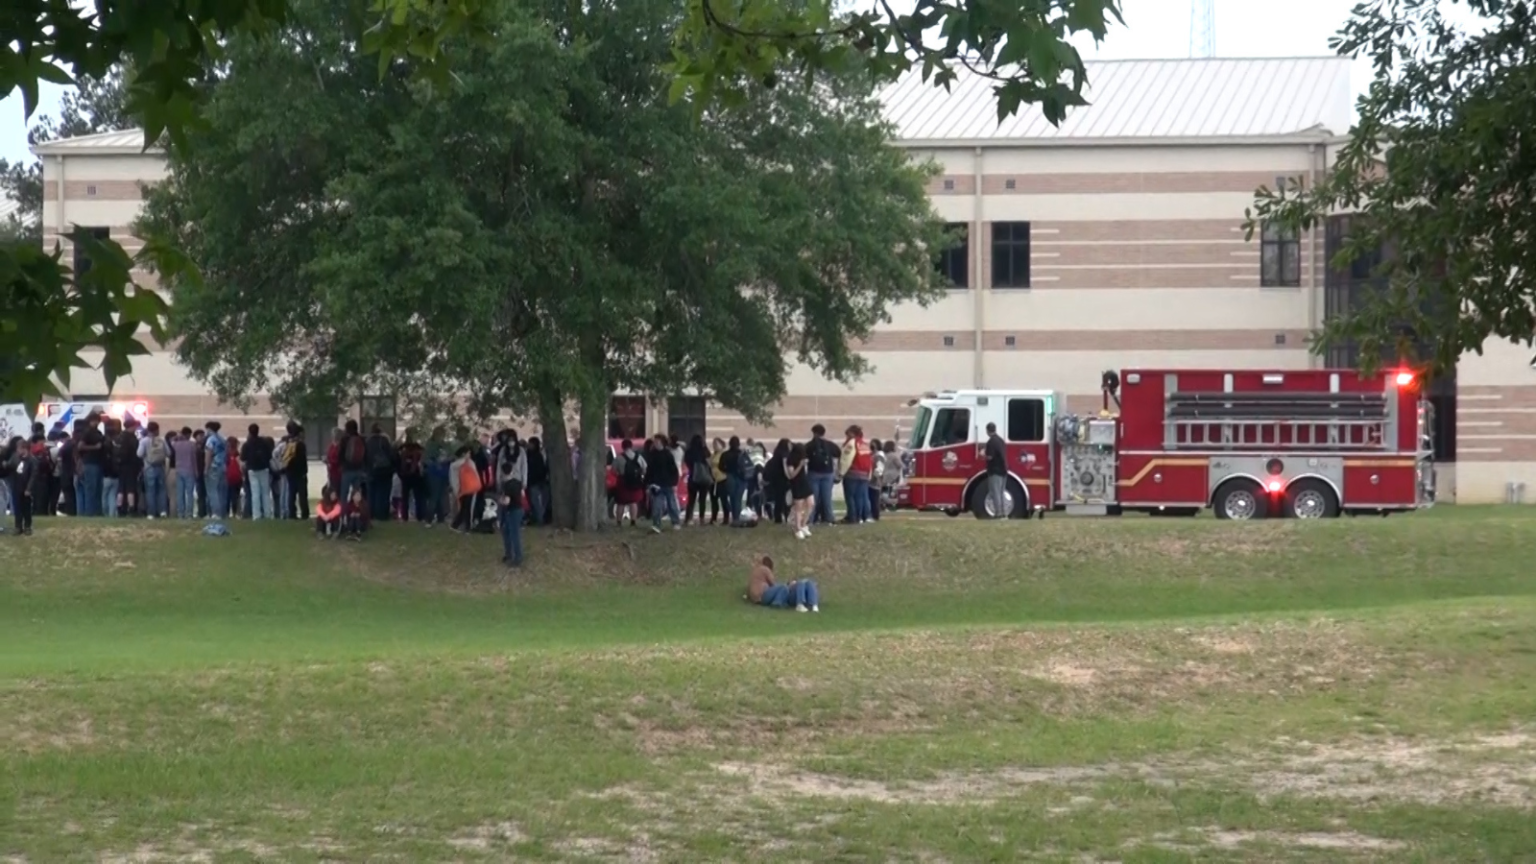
(792,483)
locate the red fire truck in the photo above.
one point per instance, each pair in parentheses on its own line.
(1248,444)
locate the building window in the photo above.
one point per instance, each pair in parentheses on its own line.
(954,263)
(1026,420)
(1010,184)
(949,185)
(626,417)
(1010,341)
(317,435)
(90,191)
(377,411)
(82,259)
(1280,257)
(1010,254)
(949,341)
(685,417)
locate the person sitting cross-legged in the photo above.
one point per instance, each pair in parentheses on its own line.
(764,590)
(328,515)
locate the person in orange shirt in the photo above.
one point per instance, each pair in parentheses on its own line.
(328,514)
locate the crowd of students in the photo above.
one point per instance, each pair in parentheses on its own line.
(104,467)
(739,482)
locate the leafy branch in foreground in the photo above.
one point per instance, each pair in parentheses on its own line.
(1438,174)
(723,49)
(170,46)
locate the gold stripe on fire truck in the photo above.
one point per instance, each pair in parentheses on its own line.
(1379,463)
(1159,463)
(960,481)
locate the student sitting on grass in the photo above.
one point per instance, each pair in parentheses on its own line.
(354,515)
(764,591)
(328,514)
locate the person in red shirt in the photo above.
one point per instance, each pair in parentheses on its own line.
(354,515)
(328,515)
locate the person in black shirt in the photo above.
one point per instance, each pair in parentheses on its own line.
(776,483)
(997,473)
(93,458)
(538,482)
(821,464)
(297,472)
(661,478)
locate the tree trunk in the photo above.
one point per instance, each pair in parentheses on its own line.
(557,448)
(592,496)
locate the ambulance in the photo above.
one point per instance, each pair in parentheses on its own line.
(50,413)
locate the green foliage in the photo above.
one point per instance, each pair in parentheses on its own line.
(171,48)
(1438,173)
(547,229)
(724,50)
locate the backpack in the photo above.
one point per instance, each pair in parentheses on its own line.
(353,452)
(282,454)
(469,478)
(410,462)
(157,453)
(381,459)
(700,476)
(634,475)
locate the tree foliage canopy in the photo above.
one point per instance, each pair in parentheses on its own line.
(726,49)
(1438,178)
(48,317)
(545,230)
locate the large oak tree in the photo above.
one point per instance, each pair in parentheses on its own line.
(543,231)
(1438,177)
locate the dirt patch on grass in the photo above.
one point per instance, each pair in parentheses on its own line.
(484,838)
(1498,770)
(1196,840)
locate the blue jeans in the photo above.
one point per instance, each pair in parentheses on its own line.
(821,494)
(538,501)
(261,494)
(734,487)
(512,535)
(156,501)
(218,493)
(856,498)
(88,499)
(665,499)
(802,593)
(351,480)
(437,498)
(109,497)
(186,496)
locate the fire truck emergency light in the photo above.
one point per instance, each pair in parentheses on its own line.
(1274,485)
(1404,379)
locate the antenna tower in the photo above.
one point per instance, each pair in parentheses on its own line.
(1202,28)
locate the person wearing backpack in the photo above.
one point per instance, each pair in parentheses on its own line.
(413,480)
(155,453)
(129,468)
(734,462)
(821,463)
(352,455)
(701,478)
(110,439)
(630,468)
(380,453)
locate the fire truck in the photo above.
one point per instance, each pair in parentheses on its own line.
(1304,444)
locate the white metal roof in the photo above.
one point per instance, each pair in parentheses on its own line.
(124,141)
(1144,100)
(8,206)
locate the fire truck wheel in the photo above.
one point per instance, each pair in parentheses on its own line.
(1240,499)
(1018,505)
(1311,499)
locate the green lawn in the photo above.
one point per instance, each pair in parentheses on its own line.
(1132,690)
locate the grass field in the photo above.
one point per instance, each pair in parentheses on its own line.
(1067,690)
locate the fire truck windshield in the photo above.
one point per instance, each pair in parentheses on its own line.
(920,428)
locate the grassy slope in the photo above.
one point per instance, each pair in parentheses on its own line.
(266,696)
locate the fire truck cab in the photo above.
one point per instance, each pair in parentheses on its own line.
(1247,444)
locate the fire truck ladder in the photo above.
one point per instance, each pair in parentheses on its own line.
(1278,421)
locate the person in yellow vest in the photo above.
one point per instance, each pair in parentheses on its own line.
(859,460)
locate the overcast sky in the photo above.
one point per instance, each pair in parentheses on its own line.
(1153,29)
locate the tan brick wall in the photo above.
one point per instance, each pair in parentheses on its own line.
(105,190)
(1496,423)
(1163,182)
